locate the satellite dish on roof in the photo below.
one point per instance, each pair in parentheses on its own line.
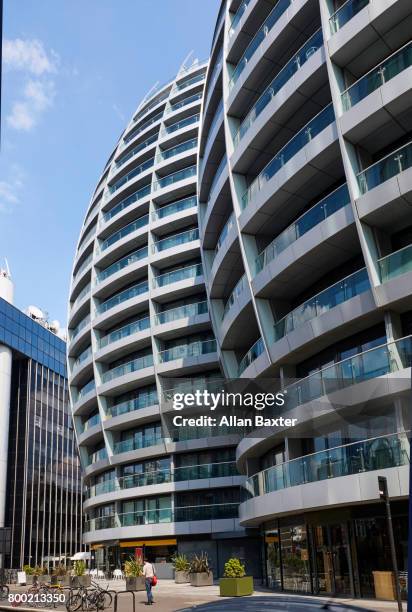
(35,313)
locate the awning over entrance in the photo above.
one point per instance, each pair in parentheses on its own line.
(81,556)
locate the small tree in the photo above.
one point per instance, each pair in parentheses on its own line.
(234,569)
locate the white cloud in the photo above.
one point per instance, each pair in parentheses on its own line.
(29,55)
(21,118)
(38,90)
(10,189)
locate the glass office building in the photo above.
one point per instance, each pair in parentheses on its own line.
(41,480)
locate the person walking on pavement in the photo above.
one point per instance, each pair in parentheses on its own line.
(148,573)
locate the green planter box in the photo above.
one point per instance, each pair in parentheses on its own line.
(236,587)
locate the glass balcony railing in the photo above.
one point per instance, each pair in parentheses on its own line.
(216,71)
(300,58)
(146,109)
(225,231)
(236,291)
(238,15)
(135,197)
(83,323)
(315,126)
(175,207)
(222,165)
(182,103)
(144,400)
(395,264)
(174,127)
(217,117)
(176,240)
(99,455)
(164,515)
(85,291)
(192,349)
(180,274)
(94,420)
(88,388)
(340,292)
(175,177)
(125,231)
(191,81)
(81,268)
(253,353)
(85,239)
(345,14)
(131,175)
(83,357)
(121,297)
(273,17)
(125,446)
(181,312)
(140,147)
(392,66)
(319,212)
(149,478)
(391,450)
(207,470)
(127,368)
(385,169)
(173,151)
(143,126)
(108,486)
(125,332)
(122,263)
(379,361)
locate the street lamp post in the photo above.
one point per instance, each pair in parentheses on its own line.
(383,494)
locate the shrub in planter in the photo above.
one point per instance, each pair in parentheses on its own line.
(200,572)
(133,571)
(60,576)
(234,582)
(41,573)
(29,571)
(80,577)
(181,565)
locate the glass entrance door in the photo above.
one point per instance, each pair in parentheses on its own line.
(332,571)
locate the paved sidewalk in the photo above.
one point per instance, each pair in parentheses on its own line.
(171,597)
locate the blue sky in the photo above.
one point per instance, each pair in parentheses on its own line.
(73,73)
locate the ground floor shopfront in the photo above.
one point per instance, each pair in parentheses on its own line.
(335,552)
(219,547)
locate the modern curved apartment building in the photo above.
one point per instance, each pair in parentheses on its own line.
(139,326)
(305,216)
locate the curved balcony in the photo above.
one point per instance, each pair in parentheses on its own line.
(132,335)
(336,294)
(395,264)
(212,140)
(143,401)
(173,128)
(80,305)
(167,155)
(315,475)
(237,314)
(124,377)
(121,272)
(81,272)
(299,59)
(171,214)
(185,351)
(121,240)
(131,156)
(148,107)
(126,446)
(238,16)
(86,397)
(127,302)
(80,366)
(235,293)
(138,195)
(124,182)
(175,179)
(97,456)
(139,129)
(345,13)
(90,423)
(117,524)
(339,198)
(188,311)
(183,103)
(170,248)
(227,261)
(392,165)
(78,335)
(189,82)
(186,273)
(314,127)
(257,349)
(273,17)
(188,475)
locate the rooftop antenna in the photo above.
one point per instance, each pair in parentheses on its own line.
(7,267)
(184,65)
